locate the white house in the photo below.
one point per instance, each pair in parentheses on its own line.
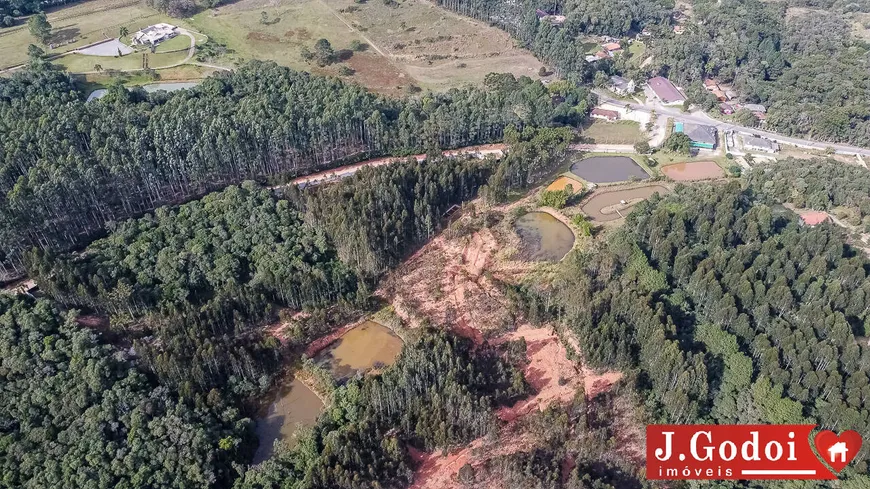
(155,34)
(840,449)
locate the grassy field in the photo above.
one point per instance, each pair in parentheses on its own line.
(79,63)
(618,132)
(410,43)
(78,25)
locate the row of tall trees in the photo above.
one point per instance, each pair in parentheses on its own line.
(68,167)
(733,313)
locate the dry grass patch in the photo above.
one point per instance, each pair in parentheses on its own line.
(411,43)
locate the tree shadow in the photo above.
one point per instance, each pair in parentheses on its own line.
(66,34)
(343,54)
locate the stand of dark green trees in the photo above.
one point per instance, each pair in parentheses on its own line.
(191,283)
(77,413)
(732,312)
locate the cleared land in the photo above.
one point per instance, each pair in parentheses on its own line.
(608,169)
(693,171)
(454,281)
(411,43)
(79,25)
(617,132)
(607,205)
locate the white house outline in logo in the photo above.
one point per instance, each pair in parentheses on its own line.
(840,449)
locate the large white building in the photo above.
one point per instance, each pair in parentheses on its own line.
(155,34)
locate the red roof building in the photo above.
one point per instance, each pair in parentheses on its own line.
(666,91)
(599,113)
(813,218)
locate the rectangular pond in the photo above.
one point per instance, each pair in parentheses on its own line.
(608,169)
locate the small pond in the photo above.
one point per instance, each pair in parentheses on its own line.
(152,87)
(608,169)
(543,237)
(294,405)
(365,347)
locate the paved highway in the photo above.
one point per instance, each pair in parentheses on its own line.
(702,118)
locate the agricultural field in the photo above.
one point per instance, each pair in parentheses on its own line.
(79,25)
(408,43)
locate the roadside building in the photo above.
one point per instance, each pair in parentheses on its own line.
(702,136)
(753,143)
(726,109)
(155,34)
(621,86)
(608,115)
(710,84)
(666,91)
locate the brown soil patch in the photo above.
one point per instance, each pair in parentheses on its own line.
(691,171)
(562,182)
(377,73)
(552,377)
(444,283)
(262,37)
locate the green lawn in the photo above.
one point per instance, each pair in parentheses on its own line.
(617,132)
(177,43)
(79,63)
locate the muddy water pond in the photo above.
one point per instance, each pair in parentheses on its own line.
(293,406)
(693,170)
(365,347)
(543,237)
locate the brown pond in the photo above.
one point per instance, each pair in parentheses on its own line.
(365,347)
(693,170)
(294,406)
(609,205)
(543,237)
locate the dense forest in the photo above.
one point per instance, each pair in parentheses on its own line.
(69,167)
(76,413)
(731,312)
(191,283)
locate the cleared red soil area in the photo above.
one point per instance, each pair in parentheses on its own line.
(692,171)
(451,282)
